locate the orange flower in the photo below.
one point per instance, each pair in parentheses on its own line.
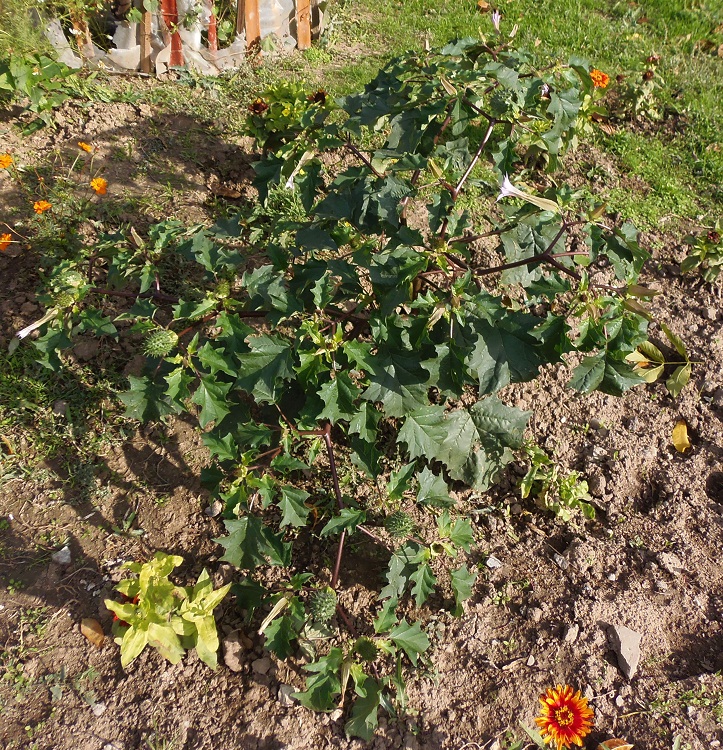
(5,161)
(5,240)
(99,185)
(599,79)
(566,718)
(41,206)
(85,146)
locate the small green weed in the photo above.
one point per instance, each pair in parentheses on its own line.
(560,493)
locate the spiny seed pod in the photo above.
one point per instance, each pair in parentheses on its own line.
(323,605)
(399,524)
(63,300)
(366,648)
(160,342)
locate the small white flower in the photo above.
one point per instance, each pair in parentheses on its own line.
(508,190)
(496,17)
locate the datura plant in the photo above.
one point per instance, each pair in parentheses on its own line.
(363,318)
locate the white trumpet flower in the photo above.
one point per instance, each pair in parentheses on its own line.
(33,326)
(508,190)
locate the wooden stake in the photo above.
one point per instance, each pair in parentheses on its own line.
(251,24)
(303,24)
(146,42)
(170,18)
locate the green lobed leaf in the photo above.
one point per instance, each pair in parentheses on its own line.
(411,639)
(211,397)
(462,585)
(292,504)
(251,543)
(339,396)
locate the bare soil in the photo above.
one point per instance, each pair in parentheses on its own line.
(650,561)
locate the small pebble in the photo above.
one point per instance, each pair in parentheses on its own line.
(530,661)
(492,563)
(62,556)
(562,562)
(98,709)
(284,695)
(262,665)
(571,633)
(214,509)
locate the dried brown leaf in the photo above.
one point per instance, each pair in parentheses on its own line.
(615,745)
(93,631)
(680,436)
(483,6)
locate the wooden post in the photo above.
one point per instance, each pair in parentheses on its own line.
(170,18)
(146,42)
(212,31)
(303,24)
(252,24)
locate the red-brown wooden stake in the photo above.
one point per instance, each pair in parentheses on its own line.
(170,18)
(212,29)
(303,24)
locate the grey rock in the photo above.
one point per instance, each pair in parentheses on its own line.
(284,695)
(530,661)
(626,644)
(233,651)
(670,562)
(214,509)
(619,701)
(262,665)
(98,709)
(493,562)
(535,614)
(562,562)
(571,633)
(711,313)
(61,557)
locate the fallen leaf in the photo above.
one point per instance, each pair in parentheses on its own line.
(93,631)
(483,6)
(614,745)
(680,436)
(607,128)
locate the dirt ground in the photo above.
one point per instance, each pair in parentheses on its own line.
(650,561)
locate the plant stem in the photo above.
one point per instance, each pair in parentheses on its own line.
(337,491)
(475,158)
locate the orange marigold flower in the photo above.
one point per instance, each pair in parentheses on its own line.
(566,718)
(41,206)
(85,146)
(5,161)
(5,240)
(599,79)
(99,185)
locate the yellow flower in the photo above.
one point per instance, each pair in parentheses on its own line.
(566,718)
(41,206)
(99,185)
(85,146)
(600,80)
(5,240)
(5,161)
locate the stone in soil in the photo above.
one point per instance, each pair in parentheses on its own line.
(233,651)
(626,645)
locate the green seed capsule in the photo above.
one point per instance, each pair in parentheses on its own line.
(159,343)
(323,605)
(399,524)
(366,648)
